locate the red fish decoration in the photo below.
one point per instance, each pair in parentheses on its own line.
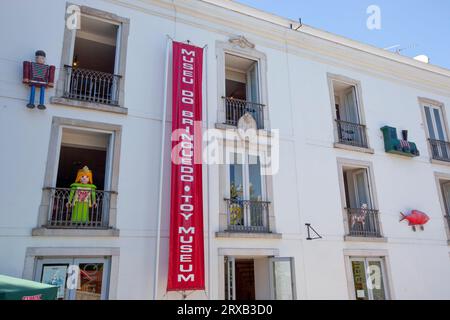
(415,218)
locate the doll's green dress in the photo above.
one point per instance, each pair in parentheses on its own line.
(81,196)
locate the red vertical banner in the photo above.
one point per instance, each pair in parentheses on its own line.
(186,255)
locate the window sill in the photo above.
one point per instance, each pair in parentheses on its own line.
(247,235)
(365,239)
(53,232)
(353,148)
(223,126)
(88,105)
(440,162)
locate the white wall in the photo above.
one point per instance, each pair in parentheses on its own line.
(305,190)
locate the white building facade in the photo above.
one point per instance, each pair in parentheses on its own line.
(327,96)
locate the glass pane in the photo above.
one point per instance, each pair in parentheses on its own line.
(362,189)
(282,280)
(254,169)
(446,195)
(56,275)
(253,79)
(429,123)
(375,281)
(359,278)
(91,280)
(437,119)
(351,107)
(236,180)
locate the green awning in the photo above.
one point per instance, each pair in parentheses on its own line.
(20,289)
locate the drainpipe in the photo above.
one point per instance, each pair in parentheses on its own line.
(161,173)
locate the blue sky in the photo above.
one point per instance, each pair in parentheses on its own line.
(422,27)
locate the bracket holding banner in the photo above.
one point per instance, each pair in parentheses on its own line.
(309,228)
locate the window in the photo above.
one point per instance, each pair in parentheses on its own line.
(347,112)
(242,90)
(247,207)
(445,189)
(82,205)
(259,278)
(437,133)
(361,212)
(81,148)
(76,278)
(368,277)
(94,60)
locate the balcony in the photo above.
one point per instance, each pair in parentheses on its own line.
(352,134)
(91,86)
(236,108)
(363,222)
(251,216)
(64,213)
(440,150)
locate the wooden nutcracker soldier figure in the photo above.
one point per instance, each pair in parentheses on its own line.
(38,74)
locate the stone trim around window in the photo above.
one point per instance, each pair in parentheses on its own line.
(368,253)
(438,177)
(51,171)
(346,162)
(55,252)
(66,59)
(248,52)
(359,97)
(224,188)
(430,102)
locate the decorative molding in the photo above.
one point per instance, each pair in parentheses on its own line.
(246,122)
(242,42)
(248,235)
(53,232)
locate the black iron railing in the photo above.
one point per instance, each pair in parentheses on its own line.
(363,222)
(91,85)
(353,134)
(236,108)
(440,150)
(247,215)
(85,210)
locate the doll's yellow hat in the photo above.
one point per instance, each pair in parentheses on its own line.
(84,172)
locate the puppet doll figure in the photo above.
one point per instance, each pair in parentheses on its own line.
(82,196)
(38,74)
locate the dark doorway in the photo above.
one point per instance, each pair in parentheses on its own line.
(71,159)
(236,90)
(245,279)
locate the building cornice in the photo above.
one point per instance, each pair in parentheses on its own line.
(230,19)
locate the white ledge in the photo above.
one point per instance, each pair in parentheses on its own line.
(353,148)
(224,126)
(440,162)
(88,105)
(365,239)
(62,232)
(251,235)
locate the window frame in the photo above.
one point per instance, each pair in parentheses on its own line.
(70,294)
(358,164)
(120,62)
(331,78)
(112,253)
(246,175)
(439,178)
(51,171)
(366,261)
(369,254)
(426,102)
(223,48)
